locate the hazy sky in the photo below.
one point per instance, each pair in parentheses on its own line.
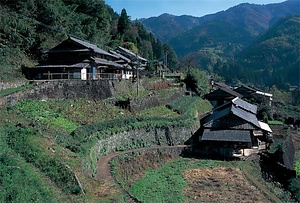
(198,8)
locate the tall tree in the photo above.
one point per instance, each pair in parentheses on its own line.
(124,22)
(170,57)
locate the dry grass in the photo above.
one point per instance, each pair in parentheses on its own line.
(220,184)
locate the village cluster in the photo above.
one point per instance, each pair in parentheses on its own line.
(77,59)
(232,127)
(232,124)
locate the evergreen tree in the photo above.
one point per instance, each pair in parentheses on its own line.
(124,22)
(171,57)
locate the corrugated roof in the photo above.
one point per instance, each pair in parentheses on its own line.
(265,126)
(227,135)
(245,105)
(250,117)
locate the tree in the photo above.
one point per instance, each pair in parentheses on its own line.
(124,22)
(198,81)
(171,57)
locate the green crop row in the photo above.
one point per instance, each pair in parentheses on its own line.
(188,105)
(25,142)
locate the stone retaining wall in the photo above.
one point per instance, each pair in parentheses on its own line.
(167,136)
(71,89)
(4,85)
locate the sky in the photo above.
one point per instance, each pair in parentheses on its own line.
(137,9)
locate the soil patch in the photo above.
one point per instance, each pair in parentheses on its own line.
(132,169)
(220,184)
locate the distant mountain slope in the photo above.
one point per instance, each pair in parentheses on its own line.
(276,54)
(167,26)
(228,37)
(255,18)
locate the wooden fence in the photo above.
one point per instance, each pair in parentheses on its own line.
(86,76)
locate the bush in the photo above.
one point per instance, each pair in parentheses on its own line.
(198,81)
(294,187)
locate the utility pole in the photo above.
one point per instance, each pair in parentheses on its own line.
(166,59)
(137,75)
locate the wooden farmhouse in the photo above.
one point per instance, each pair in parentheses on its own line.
(233,127)
(221,95)
(78,59)
(135,60)
(254,94)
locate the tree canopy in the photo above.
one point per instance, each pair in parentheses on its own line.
(30,27)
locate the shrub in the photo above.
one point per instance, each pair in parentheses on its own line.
(294,187)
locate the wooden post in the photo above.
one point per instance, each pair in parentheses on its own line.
(48,75)
(137,75)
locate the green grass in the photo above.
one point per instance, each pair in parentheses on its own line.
(166,183)
(42,113)
(275,122)
(41,134)
(189,105)
(161,111)
(20,181)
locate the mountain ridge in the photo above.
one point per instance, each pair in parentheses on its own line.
(165,24)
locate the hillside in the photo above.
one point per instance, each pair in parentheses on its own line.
(214,34)
(272,59)
(255,18)
(276,53)
(30,28)
(166,26)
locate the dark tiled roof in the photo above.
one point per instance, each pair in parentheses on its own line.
(105,62)
(226,135)
(221,84)
(231,109)
(222,92)
(120,56)
(216,115)
(91,46)
(76,65)
(239,103)
(252,89)
(131,54)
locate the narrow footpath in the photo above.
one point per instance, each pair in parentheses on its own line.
(104,169)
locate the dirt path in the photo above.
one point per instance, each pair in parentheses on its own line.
(104,170)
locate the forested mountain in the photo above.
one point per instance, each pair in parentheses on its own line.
(244,43)
(255,18)
(166,26)
(275,55)
(29,27)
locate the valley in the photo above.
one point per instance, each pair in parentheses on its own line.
(98,107)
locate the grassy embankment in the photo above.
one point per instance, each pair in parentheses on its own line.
(40,149)
(192,180)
